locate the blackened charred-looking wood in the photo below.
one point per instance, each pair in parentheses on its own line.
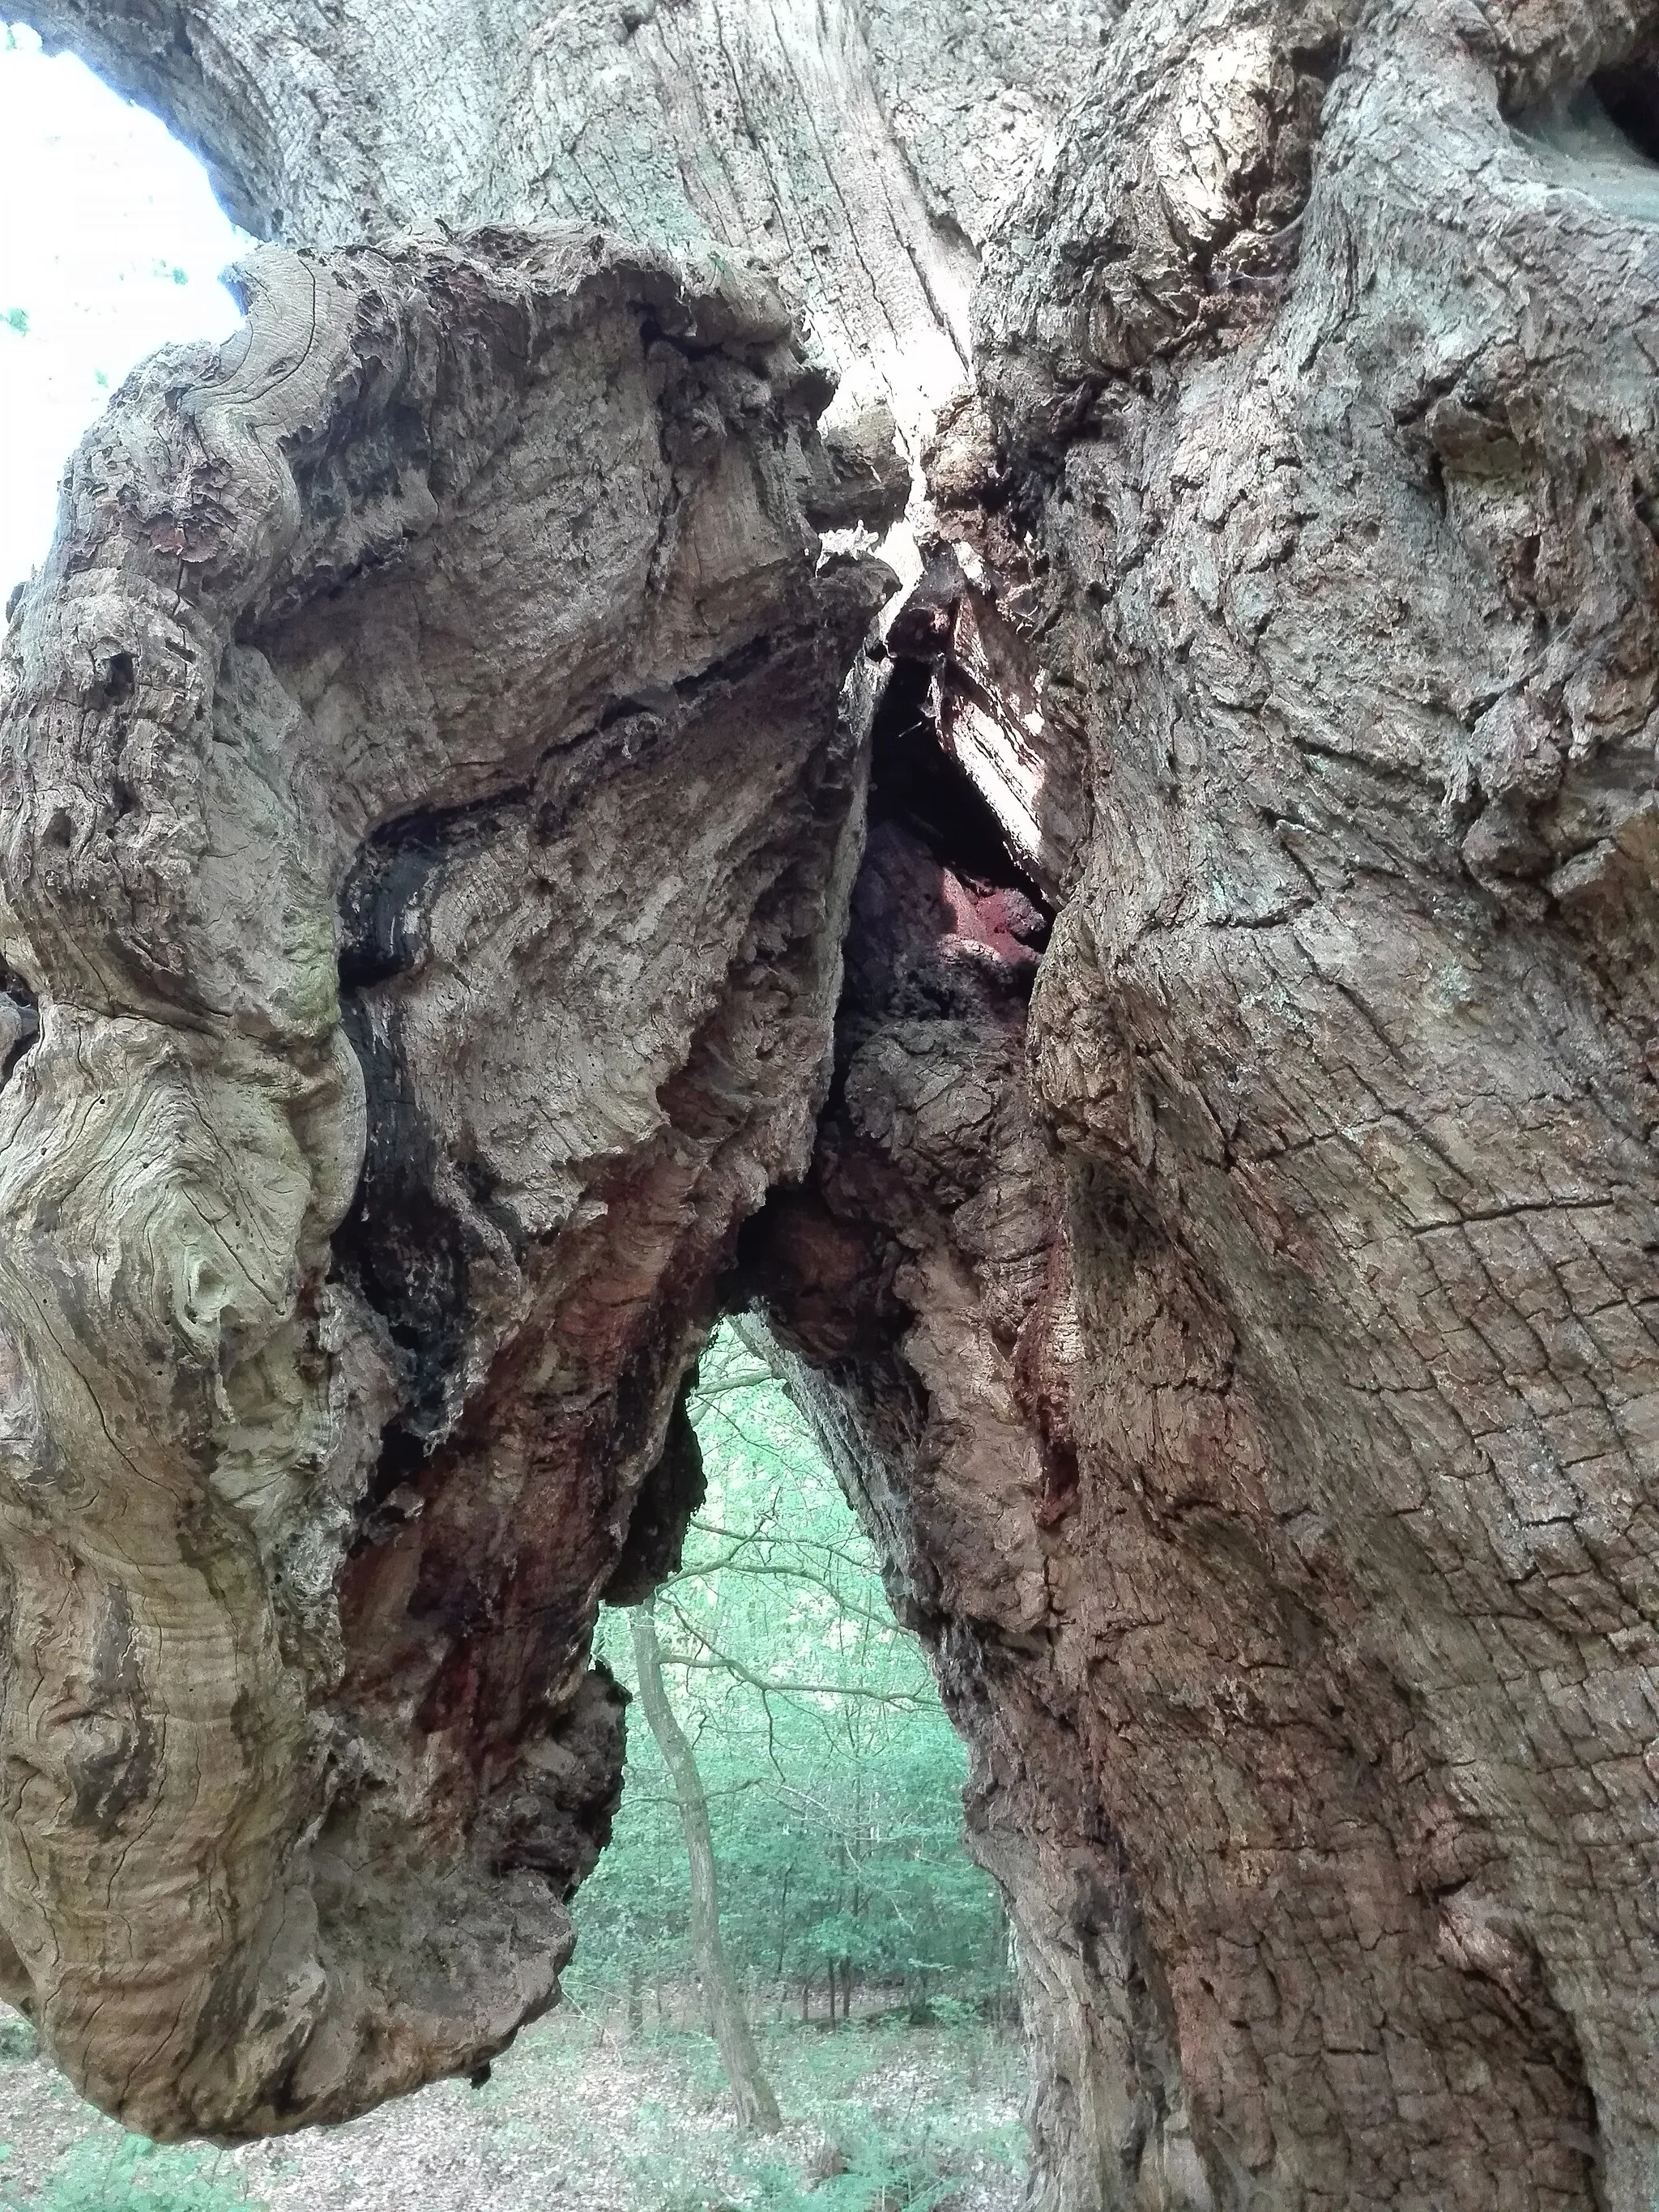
(670,1495)
(427,829)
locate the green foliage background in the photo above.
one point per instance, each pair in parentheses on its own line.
(834,1777)
(134,2175)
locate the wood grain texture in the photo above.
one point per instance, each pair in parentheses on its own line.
(1283,1518)
(855,153)
(428,828)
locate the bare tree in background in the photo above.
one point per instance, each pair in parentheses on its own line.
(757,2107)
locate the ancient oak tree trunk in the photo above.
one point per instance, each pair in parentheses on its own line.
(428,832)
(757,2108)
(1213,1217)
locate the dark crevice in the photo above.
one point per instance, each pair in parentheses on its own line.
(1630,95)
(652,332)
(407,1255)
(669,1495)
(406,1252)
(380,906)
(823,1278)
(403,1456)
(20,1020)
(915,783)
(117,680)
(404,1248)
(820,1260)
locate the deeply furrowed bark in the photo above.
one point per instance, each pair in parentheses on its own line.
(1231,1309)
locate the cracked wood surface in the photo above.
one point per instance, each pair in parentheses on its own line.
(390,1106)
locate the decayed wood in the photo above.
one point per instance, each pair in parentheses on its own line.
(426,829)
(1225,1273)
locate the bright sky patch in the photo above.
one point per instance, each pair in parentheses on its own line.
(111,245)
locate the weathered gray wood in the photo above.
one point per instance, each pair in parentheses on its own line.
(422,781)
(856,153)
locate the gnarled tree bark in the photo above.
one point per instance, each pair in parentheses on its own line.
(1224,1268)
(428,826)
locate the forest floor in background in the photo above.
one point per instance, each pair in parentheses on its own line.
(578,2117)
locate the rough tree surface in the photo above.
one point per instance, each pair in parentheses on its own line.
(427,833)
(1224,1270)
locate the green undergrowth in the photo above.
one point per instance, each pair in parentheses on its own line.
(886,2140)
(133,2175)
(882,2116)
